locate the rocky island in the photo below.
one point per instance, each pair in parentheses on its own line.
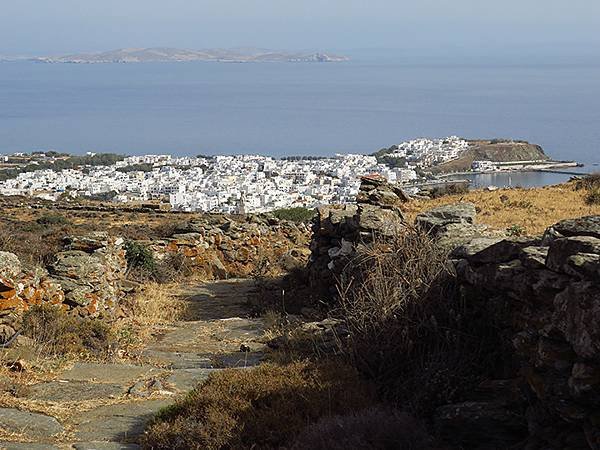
(240,55)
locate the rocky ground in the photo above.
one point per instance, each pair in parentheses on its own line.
(93,405)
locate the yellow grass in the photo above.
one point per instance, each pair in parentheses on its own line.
(147,312)
(532,209)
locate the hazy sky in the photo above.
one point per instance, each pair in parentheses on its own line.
(59,26)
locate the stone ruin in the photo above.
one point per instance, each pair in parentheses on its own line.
(337,230)
(85,279)
(543,294)
(220,247)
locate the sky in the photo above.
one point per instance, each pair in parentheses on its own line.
(42,27)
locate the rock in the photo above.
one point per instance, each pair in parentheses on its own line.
(474,246)
(27,446)
(562,249)
(186,379)
(503,251)
(10,266)
(118,374)
(534,257)
(74,391)
(584,226)
(480,425)
(116,422)
(104,446)
(434,220)
(31,424)
(576,314)
(146,388)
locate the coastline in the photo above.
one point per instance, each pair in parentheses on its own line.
(523,166)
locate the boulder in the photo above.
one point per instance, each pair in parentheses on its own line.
(583,226)
(562,249)
(435,220)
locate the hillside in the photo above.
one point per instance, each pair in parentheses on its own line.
(138,55)
(494,150)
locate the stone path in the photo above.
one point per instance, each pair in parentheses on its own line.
(106,406)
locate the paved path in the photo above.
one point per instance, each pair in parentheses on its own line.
(105,406)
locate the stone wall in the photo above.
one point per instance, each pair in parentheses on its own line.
(546,291)
(338,229)
(228,247)
(85,279)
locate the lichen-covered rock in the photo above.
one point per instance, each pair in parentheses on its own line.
(91,272)
(550,290)
(437,219)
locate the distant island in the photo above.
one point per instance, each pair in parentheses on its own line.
(238,55)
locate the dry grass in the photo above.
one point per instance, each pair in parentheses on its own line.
(406,323)
(533,210)
(262,408)
(147,312)
(57,333)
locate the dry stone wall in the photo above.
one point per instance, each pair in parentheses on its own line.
(227,247)
(338,229)
(549,291)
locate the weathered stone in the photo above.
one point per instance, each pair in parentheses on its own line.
(576,314)
(503,251)
(583,226)
(61,391)
(30,424)
(534,257)
(104,446)
(474,246)
(561,249)
(187,379)
(10,266)
(433,220)
(116,422)
(119,374)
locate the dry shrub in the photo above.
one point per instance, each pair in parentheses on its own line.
(407,329)
(59,333)
(264,407)
(593,197)
(146,311)
(375,428)
(589,182)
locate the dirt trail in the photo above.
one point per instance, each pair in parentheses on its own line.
(106,405)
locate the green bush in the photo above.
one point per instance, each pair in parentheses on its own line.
(298,214)
(515,230)
(139,257)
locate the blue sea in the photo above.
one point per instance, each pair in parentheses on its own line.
(289,109)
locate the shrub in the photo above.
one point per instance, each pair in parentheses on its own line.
(406,323)
(515,230)
(593,197)
(59,333)
(449,189)
(589,182)
(370,429)
(140,257)
(52,219)
(298,214)
(264,407)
